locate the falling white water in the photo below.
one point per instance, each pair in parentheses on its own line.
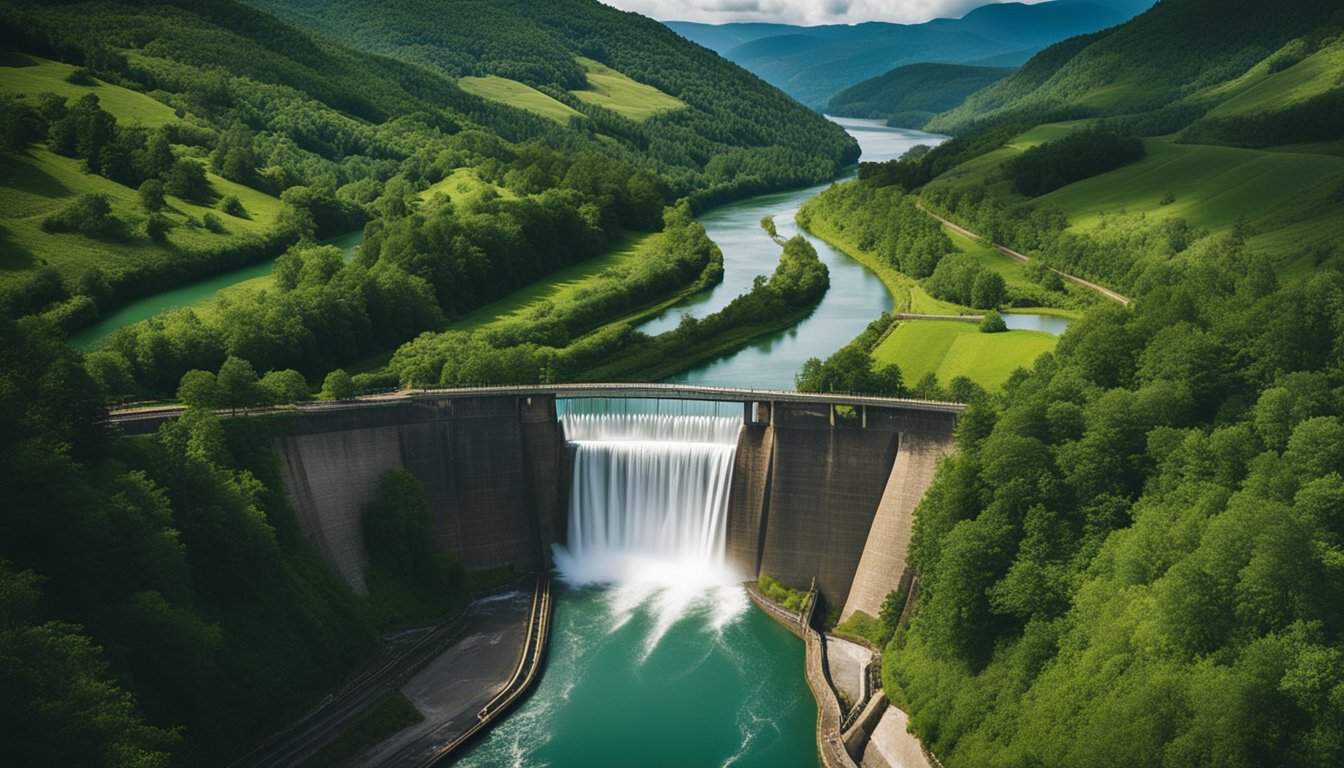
(648,515)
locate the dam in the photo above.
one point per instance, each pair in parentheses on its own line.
(813,477)
(653,502)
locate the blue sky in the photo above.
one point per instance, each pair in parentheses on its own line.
(801,11)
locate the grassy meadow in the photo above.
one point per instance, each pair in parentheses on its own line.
(613,90)
(516,94)
(948,348)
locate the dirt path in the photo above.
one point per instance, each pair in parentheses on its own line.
(1022,258)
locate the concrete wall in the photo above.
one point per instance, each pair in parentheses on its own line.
(825,486)
(490,467)
(884,556)
(748,499)
(819,495)
(813,495)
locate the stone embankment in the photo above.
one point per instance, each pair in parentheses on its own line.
(830,745)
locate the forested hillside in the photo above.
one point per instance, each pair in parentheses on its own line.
(736,135)
(910,96)
(1170,66)
(1137,556)
(160,604)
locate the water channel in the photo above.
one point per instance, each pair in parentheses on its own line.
(199,291)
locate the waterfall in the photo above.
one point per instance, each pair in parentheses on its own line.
(648,497)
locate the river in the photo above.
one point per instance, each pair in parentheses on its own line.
(856,296)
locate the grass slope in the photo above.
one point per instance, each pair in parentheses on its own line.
(948,348)
(561,286)
(516,94)
(39,183)
(612,90)
(462,184)
(31,75)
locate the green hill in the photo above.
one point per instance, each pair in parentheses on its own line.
(910,96)
(263,106)
(628,74)
(1163,69)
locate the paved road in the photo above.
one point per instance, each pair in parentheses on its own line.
(1022,258)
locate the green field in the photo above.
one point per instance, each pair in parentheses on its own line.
(950,348)
(40,183)
(516,94)
(1290,200)
(1259,90)
(612,90)
(30,76)
(556,287)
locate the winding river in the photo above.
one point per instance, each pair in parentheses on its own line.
(856,297)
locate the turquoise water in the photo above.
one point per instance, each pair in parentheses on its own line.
(649,677)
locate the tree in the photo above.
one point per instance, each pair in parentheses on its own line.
(988,290)
(156,227)
(233,206)
(151,195)
(112,372)
(89,214)
(198,389)
(186,180)
(993,322)
(283,387)
(213,223)
(338,386)
(238,386)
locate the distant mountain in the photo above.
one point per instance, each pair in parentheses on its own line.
(814,63)
(910,96)
(1227,71)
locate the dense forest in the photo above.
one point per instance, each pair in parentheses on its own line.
(1135,559)
(1135,556)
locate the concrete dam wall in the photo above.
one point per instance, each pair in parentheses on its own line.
(818,492)
(491,468)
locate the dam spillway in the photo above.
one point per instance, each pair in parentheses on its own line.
(810,473)
(647,489)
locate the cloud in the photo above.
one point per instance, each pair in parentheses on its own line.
(802,11)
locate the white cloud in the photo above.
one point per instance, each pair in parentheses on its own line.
(802,11)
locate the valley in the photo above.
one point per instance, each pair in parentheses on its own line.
(1000,356)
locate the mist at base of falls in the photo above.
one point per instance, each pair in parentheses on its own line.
(648,517)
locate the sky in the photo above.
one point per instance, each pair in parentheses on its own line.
(801,11)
